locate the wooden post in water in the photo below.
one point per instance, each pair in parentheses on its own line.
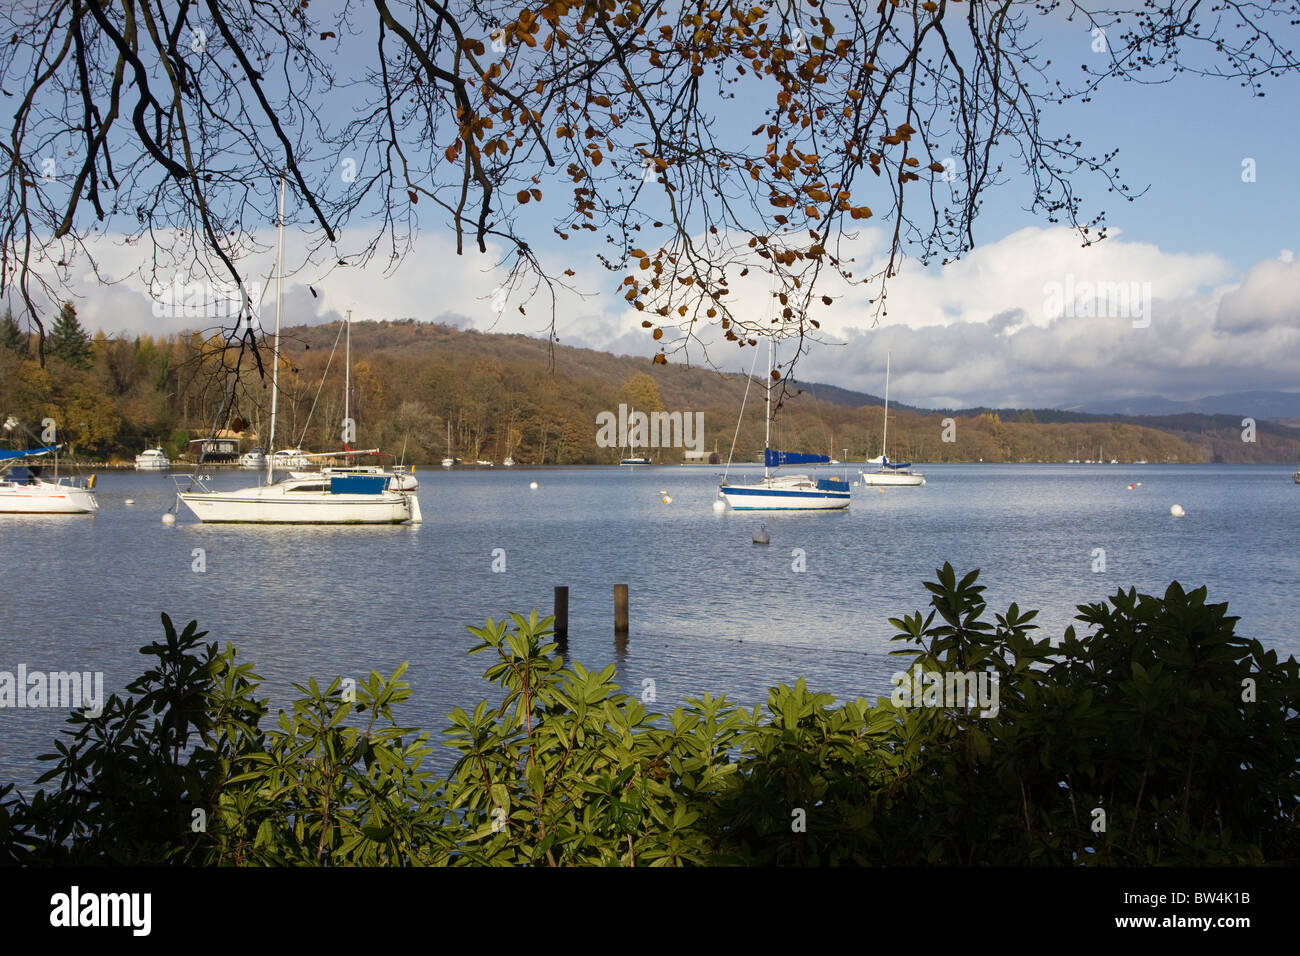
(561,613)
(620,609)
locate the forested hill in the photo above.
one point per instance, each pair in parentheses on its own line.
(420,388)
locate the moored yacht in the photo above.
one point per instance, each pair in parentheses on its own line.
(24,489)
(253,460)
(316,499)
(785,492)
(888,472)
(152,459)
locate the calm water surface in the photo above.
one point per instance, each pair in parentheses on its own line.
(709,609)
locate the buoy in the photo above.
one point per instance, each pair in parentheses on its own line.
(1177,511)
(761,536)
(719,505)
(663,491)
(129,501)
(532,485)
(668,499)
(169,518)
(1131,487)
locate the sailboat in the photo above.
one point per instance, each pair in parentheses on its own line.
(632,459)
(448,461)
(24,489)
(399,479)
(318,499)
(890,473)
(784,492)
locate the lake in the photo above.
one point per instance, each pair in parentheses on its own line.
(709,609)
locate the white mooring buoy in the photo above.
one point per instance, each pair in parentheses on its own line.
(129,501)
(719,505)
(169,518)
(1177,511)
(532,485)
(761,536)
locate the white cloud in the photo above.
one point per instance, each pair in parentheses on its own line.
(979,331)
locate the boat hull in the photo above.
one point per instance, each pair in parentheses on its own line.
(49,500)
(254,508)
(889,478)
(771,496)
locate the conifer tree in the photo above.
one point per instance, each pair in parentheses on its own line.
(68,340)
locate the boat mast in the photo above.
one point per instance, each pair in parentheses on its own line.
(347,376)
(767,424)
(884,439)
(275,343)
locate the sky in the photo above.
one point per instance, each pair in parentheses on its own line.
(1198,282)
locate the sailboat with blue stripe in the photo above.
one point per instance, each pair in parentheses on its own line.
(785,492)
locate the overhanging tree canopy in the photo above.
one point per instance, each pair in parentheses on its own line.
(694,140)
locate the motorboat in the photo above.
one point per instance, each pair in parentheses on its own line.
(152,459)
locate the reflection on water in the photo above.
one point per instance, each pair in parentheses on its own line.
(709,609)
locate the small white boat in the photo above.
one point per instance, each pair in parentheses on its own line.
(484,464)
(24,489)
(636,461)
(152,459)
(889,473)
(509,462)
(253,460)
(448,462)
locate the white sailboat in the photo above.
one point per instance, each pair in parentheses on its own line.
(448,461)
(399,479)
(318,499)
(632,459)
(784,492)
(889,473)
(24,489)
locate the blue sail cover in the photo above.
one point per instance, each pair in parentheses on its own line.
(896,466)
(775,459)
(7,455)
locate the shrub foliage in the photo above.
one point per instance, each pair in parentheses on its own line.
(1158,736)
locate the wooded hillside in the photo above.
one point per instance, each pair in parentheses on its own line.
(500,394)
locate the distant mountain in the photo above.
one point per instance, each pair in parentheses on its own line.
(835,395)
(1257,405)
